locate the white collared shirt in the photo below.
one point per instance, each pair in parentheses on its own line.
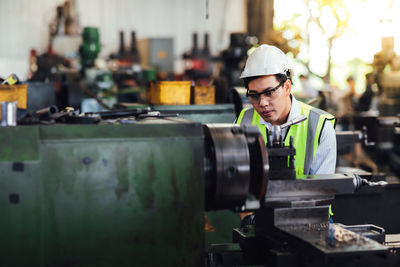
(324,161)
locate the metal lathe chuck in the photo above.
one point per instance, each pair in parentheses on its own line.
(236,167)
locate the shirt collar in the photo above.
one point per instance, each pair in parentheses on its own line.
(295,111)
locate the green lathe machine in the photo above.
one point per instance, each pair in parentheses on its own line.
(134,191)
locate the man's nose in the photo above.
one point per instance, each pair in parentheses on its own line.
(264,100)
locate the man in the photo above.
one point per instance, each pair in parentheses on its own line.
(365,100)
(267,77)
(346,102)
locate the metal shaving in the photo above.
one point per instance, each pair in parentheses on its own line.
(337,237)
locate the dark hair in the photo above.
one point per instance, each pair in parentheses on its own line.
(350,78)
(279,77)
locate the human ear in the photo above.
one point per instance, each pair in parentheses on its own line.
(287,86)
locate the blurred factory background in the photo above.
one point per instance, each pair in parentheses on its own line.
(154,19)
(119,145)
(326,41)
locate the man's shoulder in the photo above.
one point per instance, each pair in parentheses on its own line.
(313,109)
(246,110)
(245,116)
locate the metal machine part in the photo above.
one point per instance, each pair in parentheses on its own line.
(374,205)
(305,201)
(236,167)
(219,113)
(237,96)
(150,181)
(281,160)
(102,195)
(275,136)
(53,109)
(294,121)
(291,228)
(281,157)
(233,61)
(74,189)
(290,193)
(379,138)
(8,114)
(119,113)
(344,139)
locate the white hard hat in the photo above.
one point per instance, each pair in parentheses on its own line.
(267,60)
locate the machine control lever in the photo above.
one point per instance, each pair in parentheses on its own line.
(294,121)
(275,137)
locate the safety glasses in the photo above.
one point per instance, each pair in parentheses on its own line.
(269,93)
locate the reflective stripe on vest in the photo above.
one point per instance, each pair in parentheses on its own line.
(306,135)
(250,116)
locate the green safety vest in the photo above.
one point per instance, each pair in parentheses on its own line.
(306,135)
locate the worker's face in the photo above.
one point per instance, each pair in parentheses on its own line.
(274,104)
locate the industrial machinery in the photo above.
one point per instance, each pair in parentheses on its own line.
(291,227)
(131,190)
(219,113)
(233,61)
(125,192)
(233,58)
(385,104)
(375,205)
(382,124)
(90,47)
(198,62)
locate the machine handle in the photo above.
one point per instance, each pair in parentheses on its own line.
(294,121)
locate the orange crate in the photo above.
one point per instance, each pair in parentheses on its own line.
(170,93)
(204,95)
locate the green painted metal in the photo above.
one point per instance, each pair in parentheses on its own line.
(222,223)
(19,144)
(220,113)
(104,195)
